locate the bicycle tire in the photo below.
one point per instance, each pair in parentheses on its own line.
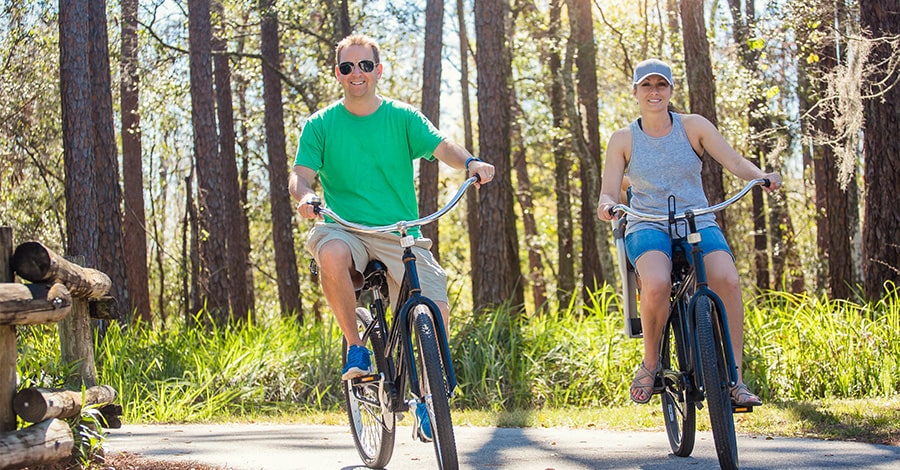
(715,381)
(679,409)
(433,387)
(372,424)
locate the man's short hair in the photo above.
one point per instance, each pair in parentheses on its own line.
(356,40)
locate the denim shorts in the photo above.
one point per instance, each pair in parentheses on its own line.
(642,241)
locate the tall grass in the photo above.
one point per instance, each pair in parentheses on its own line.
(796,347)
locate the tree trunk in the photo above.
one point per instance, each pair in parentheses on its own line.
(237,245)
(282,209)
(498,250)
(134,222)
(77,125)
(702,94)
(881,249)
(110,255)
(214,269)
(473,214)
(535,277)
(431,108)
(244,143)
(836,211)
(565,286)
(596,257)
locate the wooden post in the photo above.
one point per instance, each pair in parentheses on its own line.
(76,340)
(7,341)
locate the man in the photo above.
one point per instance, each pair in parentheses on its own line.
(362,147)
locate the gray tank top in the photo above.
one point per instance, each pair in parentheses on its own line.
(665,166)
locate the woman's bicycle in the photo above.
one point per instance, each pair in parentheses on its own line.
(695,351)
(410,350)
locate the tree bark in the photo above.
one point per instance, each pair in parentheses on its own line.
(8,350)
(881,250)
(213,265)
(431,108)
(596,256)
(134,222)
(702,93)
(33,304)
(36,404)
(34,262)
(535,277)
(77,124)
(498,250)
(473,214)
(282,209)
(236,256)
(110,255)
(565,286)
(41,443)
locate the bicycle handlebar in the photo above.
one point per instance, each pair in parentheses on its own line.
(683,215)
(401,226)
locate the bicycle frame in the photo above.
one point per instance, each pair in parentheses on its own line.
(697,274)
(410,294)
(698,270)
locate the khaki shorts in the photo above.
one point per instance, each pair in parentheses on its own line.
(386,248)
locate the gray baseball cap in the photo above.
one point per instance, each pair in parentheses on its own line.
(653,67)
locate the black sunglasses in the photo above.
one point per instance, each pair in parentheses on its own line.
(346,68)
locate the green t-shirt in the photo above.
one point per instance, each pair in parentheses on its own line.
(365,163)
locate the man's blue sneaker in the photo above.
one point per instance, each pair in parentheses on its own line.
(358,363)
(424,423)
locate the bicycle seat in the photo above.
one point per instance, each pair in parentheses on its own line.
(374,275)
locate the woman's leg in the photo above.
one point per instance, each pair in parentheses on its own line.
(654,269)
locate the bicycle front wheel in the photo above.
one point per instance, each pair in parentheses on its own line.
(715,382)
(433,386)
(372,423)
(678,407)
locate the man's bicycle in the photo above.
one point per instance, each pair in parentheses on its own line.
(695,351)
(410,350)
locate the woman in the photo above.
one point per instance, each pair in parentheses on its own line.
(660,154)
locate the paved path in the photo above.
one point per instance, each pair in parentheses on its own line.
(295,447)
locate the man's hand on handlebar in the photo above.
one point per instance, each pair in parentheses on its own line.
(306,207)
(774,182)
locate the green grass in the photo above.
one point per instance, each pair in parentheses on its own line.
(825,368)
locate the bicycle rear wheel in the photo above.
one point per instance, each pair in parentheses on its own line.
(679,409)
(372,423)
(715,382)
(433,387)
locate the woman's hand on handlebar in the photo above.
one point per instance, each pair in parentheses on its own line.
(605,211)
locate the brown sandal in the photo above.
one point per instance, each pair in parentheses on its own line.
(742,396)
(640,387)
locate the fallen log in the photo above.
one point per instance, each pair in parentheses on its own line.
(33,304)
(36,263)
(37,404)
(42,443)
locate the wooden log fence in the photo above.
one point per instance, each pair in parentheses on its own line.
(64,292)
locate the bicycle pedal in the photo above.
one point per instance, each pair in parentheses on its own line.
(366,379)
(741,409)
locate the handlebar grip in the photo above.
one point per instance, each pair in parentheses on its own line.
(316,202)
(767,182)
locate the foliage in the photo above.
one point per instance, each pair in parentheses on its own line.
(797,348)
